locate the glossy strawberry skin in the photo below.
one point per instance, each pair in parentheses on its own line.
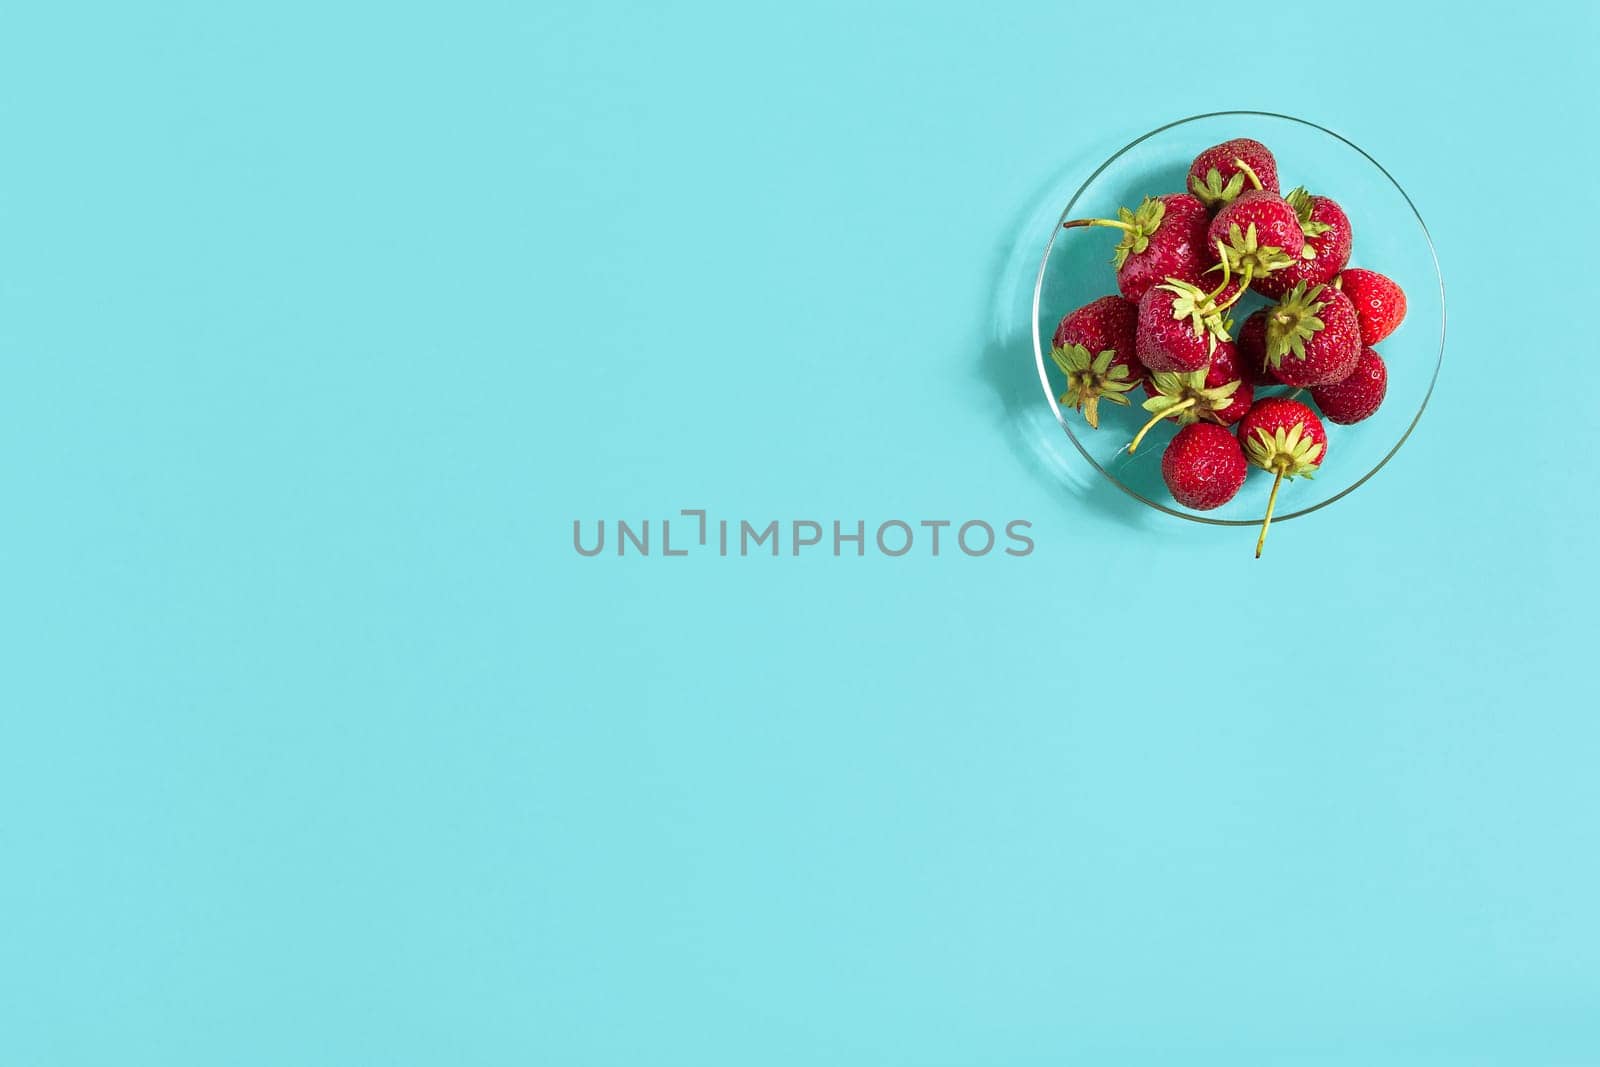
(1203,466)
(1380,303)
(1169,345)
(1177,248)
(1331,352)
(1107,324)
(1332,247)
(1252,343)
(1275,222)
(1223,157)
(1359,395)
(1279,412)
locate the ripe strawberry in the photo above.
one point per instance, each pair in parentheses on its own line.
(1226,366)
(1253,349)
(1312,336)
(1181,324)
(1106,323)
(1380,303)
(1217,393)
(1094,347)
(1203,466)
(1358,395)
(1257,235)
(1327,248)
(1165,235)
(1219,174)
(1285,438)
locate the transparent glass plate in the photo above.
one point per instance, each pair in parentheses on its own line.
(1389,237)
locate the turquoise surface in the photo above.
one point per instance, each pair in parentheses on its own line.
(320,743)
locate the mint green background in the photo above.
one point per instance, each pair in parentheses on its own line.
(319,745)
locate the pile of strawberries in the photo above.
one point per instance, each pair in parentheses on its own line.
(1183,263)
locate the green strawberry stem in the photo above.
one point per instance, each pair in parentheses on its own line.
(1138,225)
(1244,279)
(1280,466)
(1164,413)
(1226,274)
(1248,172)
(1244,287)
(1098,222)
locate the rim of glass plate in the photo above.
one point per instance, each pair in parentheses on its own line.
(1038,348)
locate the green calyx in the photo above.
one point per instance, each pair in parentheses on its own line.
(1302,203)
(1200,308)
(1173,389)
(1214,192)
(1183,397)
(1137,226)
(1292,323)
(1288,453)
(1143,222)
(1246,255)
(1206,316)
(1091,378)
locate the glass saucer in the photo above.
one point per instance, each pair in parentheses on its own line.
(1389,237)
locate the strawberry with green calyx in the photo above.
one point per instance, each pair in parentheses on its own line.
(1226,366)
(1380,304)
(1094,347)
(1253,349)
(1164,235)
(1216,393)
(1181,324)
(1203,466)
(1091,379)
(1358,395)
(1327,246)
(1223,171)
(1257,235)
(1312,336)
(1285,438)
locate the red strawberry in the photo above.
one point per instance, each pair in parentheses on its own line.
(1181,324)
(1109,322)
(1358,395)
(1094,347)
(1227,365)
(1215,393)
(1203,466)
(1312,336)
(1258,235)
(1327,250)
(1380,303)
(1285,438)
(1253,349)
(1222,171)
(1165,235)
